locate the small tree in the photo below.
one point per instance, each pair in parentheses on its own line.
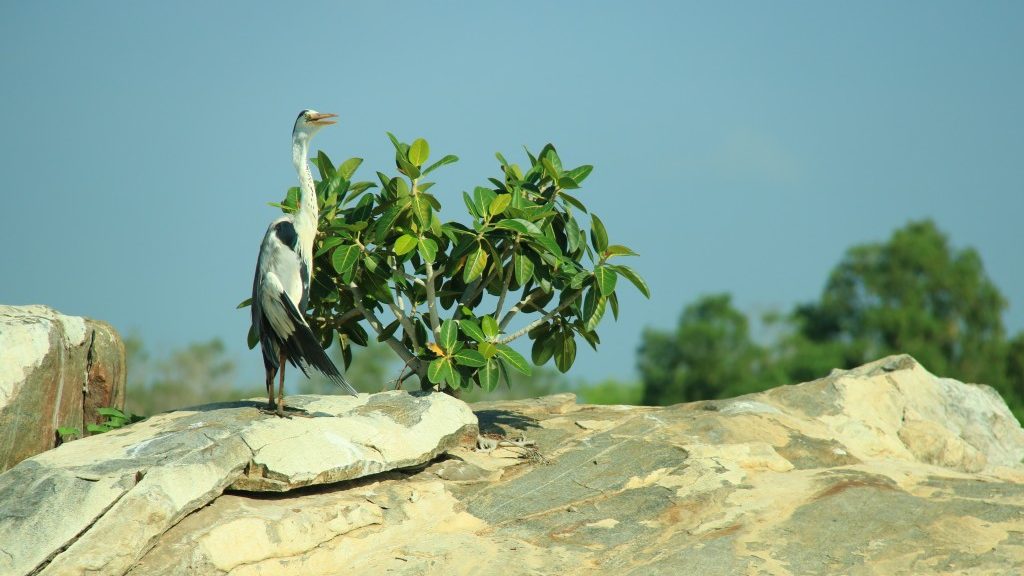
(449,292)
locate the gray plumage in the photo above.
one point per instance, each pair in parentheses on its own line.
(280,289)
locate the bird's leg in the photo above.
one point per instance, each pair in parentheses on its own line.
(280,389)
(271,372)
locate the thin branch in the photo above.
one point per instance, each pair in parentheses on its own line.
(406,324)
(376,324)
(515,310)
(538,321)
(477,286)
(340,321)
(464,299)
(435,324)
(504,290)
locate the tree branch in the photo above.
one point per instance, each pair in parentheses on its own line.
(515,310)
(371,318)
(504,290)
(435,324)
(406,324)
(538,321)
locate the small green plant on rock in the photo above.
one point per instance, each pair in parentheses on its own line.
(113,419)
(444,295)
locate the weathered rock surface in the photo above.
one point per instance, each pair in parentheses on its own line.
(885,469)
(55,371)
(96,505)
(881,470)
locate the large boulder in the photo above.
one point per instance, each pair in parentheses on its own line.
(55,371)
(96,505)
(885,469)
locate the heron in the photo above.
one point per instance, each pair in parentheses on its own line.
(280,290)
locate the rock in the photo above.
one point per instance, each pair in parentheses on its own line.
(884,469)
(881,470)
(96,504)
(55,371)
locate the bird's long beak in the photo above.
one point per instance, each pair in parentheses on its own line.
(323,119)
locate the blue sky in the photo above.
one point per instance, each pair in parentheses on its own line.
(739,147)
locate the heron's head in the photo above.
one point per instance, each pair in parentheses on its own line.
(310,122)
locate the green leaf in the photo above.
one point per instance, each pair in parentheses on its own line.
(471,206)
(565,351)
(614,301)
(454,378)
(514,358)
(428,249)
(475,265)
(421,208)
(573,201)
(501,201)
(469,357)
(348,167)
(328,244)
(567,183)
(490,375)
(394,141)
(324,165)
(490,327)
(98,428)
(377,287)
(572,234)
(449,334)
(244,303)
(344,258)
(67,431)
(252,339)
(111,413)
(593,308)
(386,221)
(449,159)
(633,277)
(549,167)
(388,331)
(487,349)
(472,329)
(419,152)
(577,281)
(580,174)
(439,370)
(482,198)
(405,244)
(619,250)
(605,278)
(519,225)
(523,268)
(543,349)
(598,234)
(548,246)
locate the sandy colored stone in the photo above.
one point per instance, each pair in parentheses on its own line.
(96,505)
(55,371)
(881,470)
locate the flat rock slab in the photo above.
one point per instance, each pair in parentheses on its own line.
(96,505)
(884,470)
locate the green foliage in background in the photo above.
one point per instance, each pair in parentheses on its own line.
(709,355)
(199,373)
(912,294)
(443,295)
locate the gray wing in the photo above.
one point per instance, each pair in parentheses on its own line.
(281,281)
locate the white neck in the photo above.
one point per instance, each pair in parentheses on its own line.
(308,213)
(307,208)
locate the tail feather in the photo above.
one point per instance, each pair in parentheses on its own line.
(304,351)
